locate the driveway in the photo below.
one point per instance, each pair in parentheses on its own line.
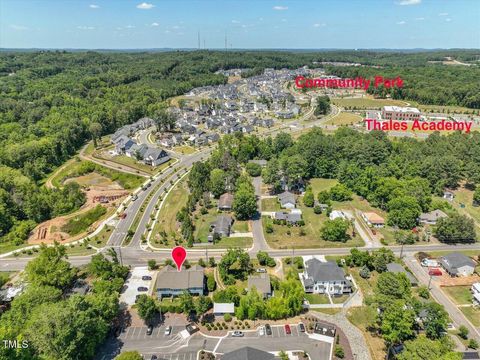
(259,242)
(134,282)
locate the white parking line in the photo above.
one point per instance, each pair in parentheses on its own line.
(133,332)
(158,332)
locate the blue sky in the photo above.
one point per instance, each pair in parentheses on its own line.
(125,24)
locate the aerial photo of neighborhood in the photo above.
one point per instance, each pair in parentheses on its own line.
(239,180)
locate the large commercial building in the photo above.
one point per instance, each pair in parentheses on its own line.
(400,113)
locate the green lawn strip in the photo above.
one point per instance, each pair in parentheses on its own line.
(472,314)
(317,299)
(225,243)
(80,223)
(240,226)
(436,254)
(340,299)
(319,184)
(344,118)
(167,221)
(465,197)
(460,294)
(363,103)
(270,204)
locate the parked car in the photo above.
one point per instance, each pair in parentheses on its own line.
(122,215)
(261,270)
(268,329)
(149,330)
(434,272)
(191,328)
(288,331)
(429,262)
(142,288)
(146,277)
(168,330)
(237,333)
(261,331)
(153,357)
(301,327)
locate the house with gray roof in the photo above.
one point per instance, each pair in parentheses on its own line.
(123,143)
(397,268)
(260,282)
(220,228)
(457,264)
(155,157)
(248,353)
(432,217)
(287,200)
(289,218)
(324,278)
(171,282)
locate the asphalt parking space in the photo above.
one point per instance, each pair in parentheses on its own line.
(181,356)
(140,333)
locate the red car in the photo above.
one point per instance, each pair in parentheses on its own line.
(287,329)
(434,272)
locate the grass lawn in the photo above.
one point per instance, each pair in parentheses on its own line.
(340,299)
(459,294)
(366,285)
(240,226)
(465,196)
(225,243)
(284,237)
(328,311)
(363,103)
(317,298)
(344,118)
(271,204)
(133,163)
(7,247)
(175,200)
(202,224)
(322,184)
(472,314)
(75,168)
(361,317)
(185,149)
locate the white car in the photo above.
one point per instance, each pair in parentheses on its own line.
(168,330)
(261,331)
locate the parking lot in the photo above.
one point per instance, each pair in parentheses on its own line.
(278,331)
(278,340)
(140,333)
(191,355)
(134,281)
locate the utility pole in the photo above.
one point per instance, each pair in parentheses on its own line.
(198,34)
(429,282)
(206,254)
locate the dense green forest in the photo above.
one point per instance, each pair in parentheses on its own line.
(52,101)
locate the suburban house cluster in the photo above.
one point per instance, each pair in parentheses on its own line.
(288,202)
(125,145)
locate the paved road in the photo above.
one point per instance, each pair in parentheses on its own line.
(259,242)
(455,314)
(138,257)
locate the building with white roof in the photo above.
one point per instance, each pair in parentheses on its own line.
(400,113)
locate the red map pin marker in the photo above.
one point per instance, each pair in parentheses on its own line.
(179,254)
